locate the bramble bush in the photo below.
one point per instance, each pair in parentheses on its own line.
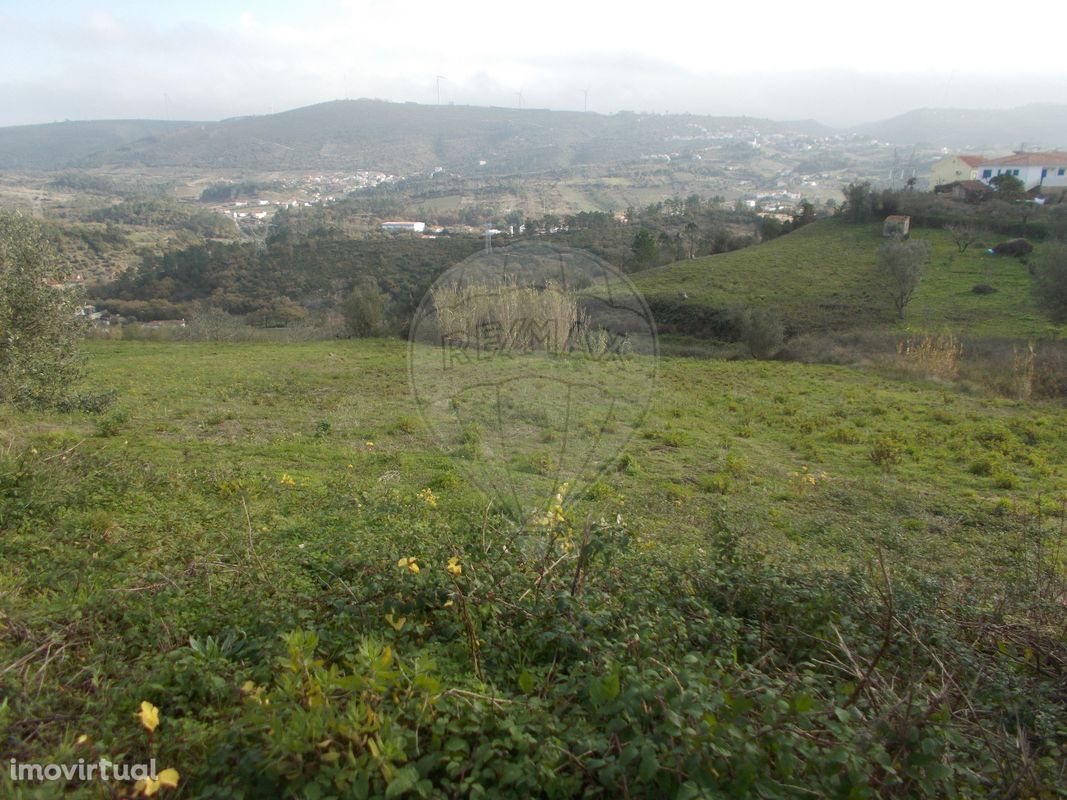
(564,662)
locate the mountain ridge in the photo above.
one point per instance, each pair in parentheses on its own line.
(406,137)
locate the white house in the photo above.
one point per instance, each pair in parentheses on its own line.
(403,226)
(1033,169)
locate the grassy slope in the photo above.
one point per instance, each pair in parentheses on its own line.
(719,433)
(820,277)
(146,539)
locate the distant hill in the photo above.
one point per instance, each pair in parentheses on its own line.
(61,144)
(392,137)
(403,138)
(1042,125)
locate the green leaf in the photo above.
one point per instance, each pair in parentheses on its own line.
(649,764)
(526,682)
(405,780)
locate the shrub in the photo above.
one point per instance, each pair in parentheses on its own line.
(1051,275)
(932,356)
(1013,247)
(886,452)
(363,309)
(762,332)
(38,327)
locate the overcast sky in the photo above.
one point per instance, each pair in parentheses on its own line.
(841,62)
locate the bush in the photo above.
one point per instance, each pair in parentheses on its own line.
(38,326)
(886,452)
(1013,247)
(1051,275)
(762,332)
(88,402)
(363,309)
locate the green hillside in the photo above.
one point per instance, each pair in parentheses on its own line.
(822,278)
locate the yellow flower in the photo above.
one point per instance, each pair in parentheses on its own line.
(286,480)
(429,497)
(448,604)
(149,716)
(169,778)
(350,466)
(413,567)
(409,564)
(149,786)
(454,567)
(369,444)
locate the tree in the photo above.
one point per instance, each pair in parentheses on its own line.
(901,265)
(1052,282)
(806,216)
(363,308)
(645,248)
(1008,187)
(859,202)
(963,234)
(692,239)
(39,328)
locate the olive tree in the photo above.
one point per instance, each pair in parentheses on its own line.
(900,266)
(363,308)
(963,234)
(39,328)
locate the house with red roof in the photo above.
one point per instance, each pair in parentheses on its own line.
(951,169)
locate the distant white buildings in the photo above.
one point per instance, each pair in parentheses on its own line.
(403,226)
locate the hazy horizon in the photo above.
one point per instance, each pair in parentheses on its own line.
(77,60)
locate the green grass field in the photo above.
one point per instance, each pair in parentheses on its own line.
(821,278)
(722,632)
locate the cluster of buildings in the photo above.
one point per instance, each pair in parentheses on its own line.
(1035,170)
